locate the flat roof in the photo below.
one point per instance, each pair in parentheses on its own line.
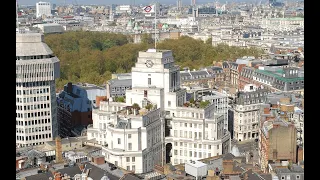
(87,86)
(196,164)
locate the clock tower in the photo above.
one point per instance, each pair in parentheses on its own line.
(155,79)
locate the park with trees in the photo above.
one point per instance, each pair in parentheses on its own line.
(92,57)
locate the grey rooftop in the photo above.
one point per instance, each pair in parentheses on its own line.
(31,44)
(120,82)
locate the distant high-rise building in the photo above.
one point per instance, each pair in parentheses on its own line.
(179,4)
(36,107)
(111,14)
(193,2)
(272,1)
(43,8)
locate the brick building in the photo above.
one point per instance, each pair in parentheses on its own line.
(278,142)
(245,77)
(75,105)
(235,70)
(208,76)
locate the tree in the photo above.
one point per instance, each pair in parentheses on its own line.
(191,100)
(93,56)
(209,41)
(149,107)
(135,106)
(147,38)
(119,99)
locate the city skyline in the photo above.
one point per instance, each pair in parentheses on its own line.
(102,2)
(221,94)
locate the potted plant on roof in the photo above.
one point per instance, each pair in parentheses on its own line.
(204,104)
(149,107)
(135,108)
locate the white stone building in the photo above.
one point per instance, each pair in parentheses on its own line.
(220,101)
(36,71)
(247,112)
(43,8)
(282,24)
(129,139)
(197,134)
(133,139)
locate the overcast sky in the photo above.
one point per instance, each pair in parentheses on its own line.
(106,2)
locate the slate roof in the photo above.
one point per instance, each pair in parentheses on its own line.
(266,176)
(35,153)
(228,156)
(252,175)
(130,177)
(95,173)
(296,168)
(282,170)
(120,82)
(253,97)
(41,176)
(71,171)
(225,65)
(278,75)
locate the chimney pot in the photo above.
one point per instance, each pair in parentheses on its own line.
(69,87)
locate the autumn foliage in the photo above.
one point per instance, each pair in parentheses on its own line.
(93,56)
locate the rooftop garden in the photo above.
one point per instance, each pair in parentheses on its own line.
(196,104)
(119,99)
(135,109)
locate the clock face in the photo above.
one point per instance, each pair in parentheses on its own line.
(149,63)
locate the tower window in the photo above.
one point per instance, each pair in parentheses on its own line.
(149,81)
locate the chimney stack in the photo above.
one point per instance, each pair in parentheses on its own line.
(58,150)
(108,90)
(81,167)
(57,176)
(69,88)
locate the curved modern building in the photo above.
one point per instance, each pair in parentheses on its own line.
(36,71)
